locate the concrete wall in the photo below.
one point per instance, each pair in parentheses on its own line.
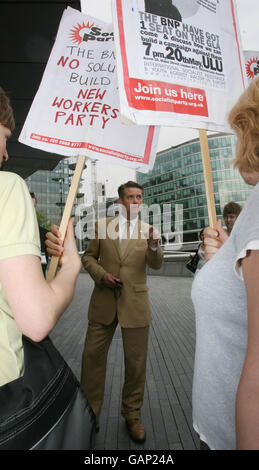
(172,266)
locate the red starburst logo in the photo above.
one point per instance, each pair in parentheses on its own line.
(77,33)
(252,67)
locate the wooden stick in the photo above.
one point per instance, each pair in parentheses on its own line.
(67,212)
(208,177)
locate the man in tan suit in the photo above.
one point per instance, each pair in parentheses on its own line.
(116,259)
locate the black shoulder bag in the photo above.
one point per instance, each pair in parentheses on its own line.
(45,409)
(193,263)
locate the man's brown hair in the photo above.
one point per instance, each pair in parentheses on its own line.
(6,111)
(232,208)
(129,184)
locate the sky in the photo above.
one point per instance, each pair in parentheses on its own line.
(248,14)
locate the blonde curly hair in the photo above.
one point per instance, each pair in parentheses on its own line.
(244,120)
(6,111)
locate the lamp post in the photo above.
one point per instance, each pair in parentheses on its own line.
(60,179)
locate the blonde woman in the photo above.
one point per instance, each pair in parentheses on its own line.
(225,294)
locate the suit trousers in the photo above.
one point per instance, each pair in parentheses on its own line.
(94,360)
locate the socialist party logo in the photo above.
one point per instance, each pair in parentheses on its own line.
(252,67)
(88,32)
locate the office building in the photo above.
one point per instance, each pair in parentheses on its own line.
(177,182)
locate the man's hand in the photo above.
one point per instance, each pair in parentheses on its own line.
(153,237)
(110,281)
(213,239)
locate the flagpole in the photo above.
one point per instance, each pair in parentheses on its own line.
(208,177)
(67,212)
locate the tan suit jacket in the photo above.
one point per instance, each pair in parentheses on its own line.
(131,302)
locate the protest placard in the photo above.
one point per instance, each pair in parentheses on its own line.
(179,64)
(76,109)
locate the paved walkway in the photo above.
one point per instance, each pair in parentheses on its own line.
(166,413)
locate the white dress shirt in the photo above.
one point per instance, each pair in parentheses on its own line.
(122,227)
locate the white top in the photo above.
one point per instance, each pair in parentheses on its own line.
(219,298)
(202,259)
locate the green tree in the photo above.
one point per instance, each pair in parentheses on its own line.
(43,220)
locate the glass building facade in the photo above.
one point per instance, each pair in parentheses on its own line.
(51,190)
(177,181)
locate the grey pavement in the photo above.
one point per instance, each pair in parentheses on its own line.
(166,412)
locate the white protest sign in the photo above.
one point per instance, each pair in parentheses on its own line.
(179,63)
(76,109)
(251,64)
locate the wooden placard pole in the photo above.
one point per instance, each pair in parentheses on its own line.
(208,177)
(67,212)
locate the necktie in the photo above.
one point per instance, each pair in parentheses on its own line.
(125,237)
